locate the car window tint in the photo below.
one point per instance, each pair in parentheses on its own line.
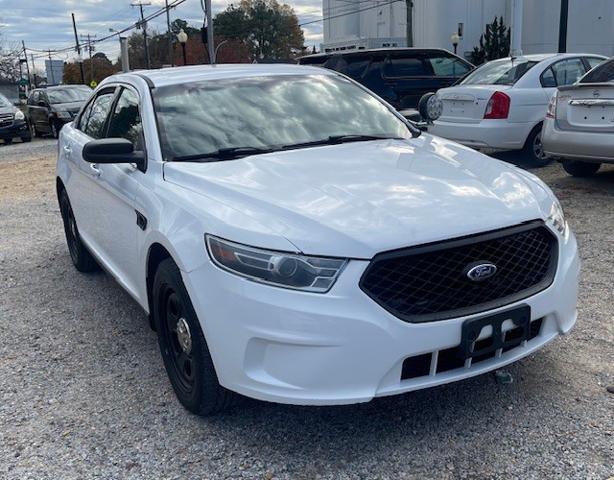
(569,71)
(593,61)
(602,73)
(98,115)
(355,67)
(126,119)
(447,66)
(547,79)
(405,67)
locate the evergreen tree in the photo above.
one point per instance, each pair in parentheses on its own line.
(494,43)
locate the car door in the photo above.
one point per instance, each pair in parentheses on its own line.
(34,109)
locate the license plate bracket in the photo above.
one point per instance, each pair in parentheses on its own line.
(471,329)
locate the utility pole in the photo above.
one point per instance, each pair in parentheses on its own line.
(90,49)
(143,24)
(78,48)
(409,5)
(209,18)
(25,54)
(563,20)
(33,71)
(51,70)
(171,57)
(123,42)
(516,29)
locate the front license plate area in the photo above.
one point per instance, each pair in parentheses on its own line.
(471,330)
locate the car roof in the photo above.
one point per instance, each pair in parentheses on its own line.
(540,57)
(359,51)
(195,73)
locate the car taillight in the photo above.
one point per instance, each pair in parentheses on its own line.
(498,106)
(551,113)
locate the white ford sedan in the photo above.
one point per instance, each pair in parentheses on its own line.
(294,239)
(502,104)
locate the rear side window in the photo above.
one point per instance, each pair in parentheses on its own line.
(126,119)
(602,73)
(448,66)
(593,62)
(97,115)
(568,72)
(406,67)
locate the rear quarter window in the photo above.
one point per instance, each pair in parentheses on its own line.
(600,74)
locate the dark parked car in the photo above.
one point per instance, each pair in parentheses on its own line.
(13,123)
(50,108)
(399,75)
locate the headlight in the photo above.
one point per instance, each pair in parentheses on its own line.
(299,272)
(64,115)
(556,217)
(19,115)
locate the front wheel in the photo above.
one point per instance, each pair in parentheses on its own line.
(81,258)
(534,149)
(577,168)
(183,346)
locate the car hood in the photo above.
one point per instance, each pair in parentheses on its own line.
(7,109)
(67,107)
(359,199)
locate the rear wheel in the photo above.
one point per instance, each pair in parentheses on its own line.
(81,258)
(534,149)
(183,346)
(577,168)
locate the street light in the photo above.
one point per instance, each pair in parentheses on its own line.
(455,39)
(182,38)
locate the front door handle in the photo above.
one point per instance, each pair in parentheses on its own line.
(94,170)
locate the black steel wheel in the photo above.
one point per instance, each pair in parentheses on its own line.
(183,347)
(81,258)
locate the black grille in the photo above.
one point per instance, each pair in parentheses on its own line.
(6,120)
(429,282)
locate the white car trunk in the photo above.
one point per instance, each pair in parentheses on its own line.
(467,104)
(586,108)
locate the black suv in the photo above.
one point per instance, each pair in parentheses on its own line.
(50,108)
(13,123)
(399,75)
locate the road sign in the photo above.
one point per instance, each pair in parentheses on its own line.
(93,84)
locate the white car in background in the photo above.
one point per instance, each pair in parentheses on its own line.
(502,104)
(579,126)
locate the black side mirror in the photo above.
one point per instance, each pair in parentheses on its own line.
(112,150)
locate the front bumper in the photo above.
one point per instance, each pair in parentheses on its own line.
(18,128)
(586,146)
(485,134)
(310,349)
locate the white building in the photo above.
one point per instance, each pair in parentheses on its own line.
(353,24)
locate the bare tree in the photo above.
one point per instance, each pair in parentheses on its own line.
(9,60)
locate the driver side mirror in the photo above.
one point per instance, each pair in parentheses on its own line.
(430,107)
(112,150)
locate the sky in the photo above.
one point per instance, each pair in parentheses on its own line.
(46,24)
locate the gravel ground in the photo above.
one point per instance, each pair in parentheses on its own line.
(83,393)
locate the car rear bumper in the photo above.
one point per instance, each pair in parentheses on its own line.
(586,146)
(17,129)
(486,134)
(291,347)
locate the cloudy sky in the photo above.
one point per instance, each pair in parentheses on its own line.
(46,24)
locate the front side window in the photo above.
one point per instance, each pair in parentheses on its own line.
(69,95)
(4,102)
(567,72)
(448,66)
(126,119)
(602,73)
(267,112)
(499,72)
(93,124)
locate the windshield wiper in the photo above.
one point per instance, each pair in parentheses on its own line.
(224,154)
(337,139)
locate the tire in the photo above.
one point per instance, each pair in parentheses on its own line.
(183,346)
(35,133)
(53,128)
(8,141)
(534,150)
(577,168)
(26,139)
(81,258)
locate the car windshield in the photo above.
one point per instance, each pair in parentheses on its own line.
(269,112)
(4,102)
(69,95)
(501,72)
(600,74)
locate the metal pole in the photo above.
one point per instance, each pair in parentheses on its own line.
(210,46)
(409,5)
(74,27)
(217,49)
(516,29)
(171,57)
(123,42)
(25,54)
(563,20)
(33,71)
(144,26)
(51,70)
(185,58)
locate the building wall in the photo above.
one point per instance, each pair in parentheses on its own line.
(591,24)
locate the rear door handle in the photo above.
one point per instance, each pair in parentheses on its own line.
(94,170)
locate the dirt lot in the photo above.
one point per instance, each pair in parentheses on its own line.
(83,393)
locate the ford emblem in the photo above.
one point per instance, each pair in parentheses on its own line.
(480,271)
